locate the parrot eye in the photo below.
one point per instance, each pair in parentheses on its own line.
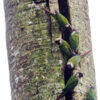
(57,41)
(70,65)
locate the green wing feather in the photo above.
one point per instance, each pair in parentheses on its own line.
(71,84)
(61,20)
(75,60)
(91,95)
(65,50)
(74,41)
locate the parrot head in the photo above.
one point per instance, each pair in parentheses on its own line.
(58,41)
(91,86)
(79,75)
(70,65)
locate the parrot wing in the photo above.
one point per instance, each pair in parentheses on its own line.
(65,50)
(74,41)
(72,82)
(74,60)
(61,20)
(91,95)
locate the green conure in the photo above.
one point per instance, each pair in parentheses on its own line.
(75,60)
(70,85)
(74,40)
(62,21)
(64,48)
(91,95)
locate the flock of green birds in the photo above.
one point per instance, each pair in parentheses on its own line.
(69,51)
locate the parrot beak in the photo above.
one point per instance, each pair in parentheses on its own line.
(57,41)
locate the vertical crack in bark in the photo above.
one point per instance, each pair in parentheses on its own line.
(49,23)
(65,10)
(49,19)
(38,1)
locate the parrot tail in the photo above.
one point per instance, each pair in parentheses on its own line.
(48,11)
(60,96)
(86,53)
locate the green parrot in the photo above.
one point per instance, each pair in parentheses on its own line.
(62,21)
(91,95)
(75,60)
(74,40)
(64,48)
(70,85)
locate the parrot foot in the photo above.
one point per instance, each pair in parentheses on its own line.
(76,51)
(76,92)
(79,64)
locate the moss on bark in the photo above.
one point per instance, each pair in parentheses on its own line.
(35,66)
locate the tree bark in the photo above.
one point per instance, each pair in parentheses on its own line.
(34,59)
(80,21)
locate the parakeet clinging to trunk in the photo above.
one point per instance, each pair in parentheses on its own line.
(64,48)
(62,21)
(74,40)
(75,60)
(91,94)
(70,85)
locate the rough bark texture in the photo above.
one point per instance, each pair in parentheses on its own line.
(80,21)
(34,60)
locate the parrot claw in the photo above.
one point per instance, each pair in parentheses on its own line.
(79,64)
(74,92)
(76,51)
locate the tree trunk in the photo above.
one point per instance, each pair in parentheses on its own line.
(34,59)
(80,21)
